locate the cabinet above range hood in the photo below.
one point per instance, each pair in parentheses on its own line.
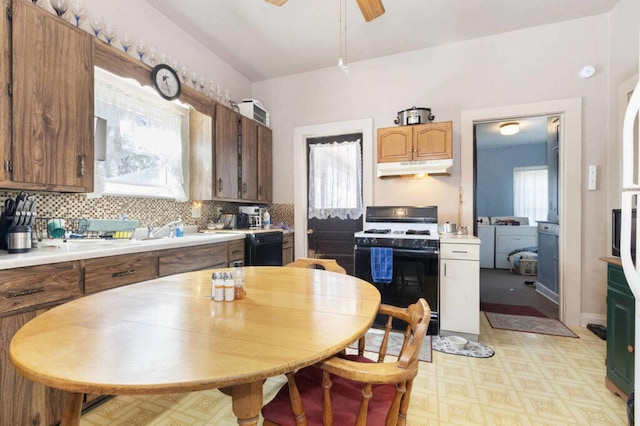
(401,168)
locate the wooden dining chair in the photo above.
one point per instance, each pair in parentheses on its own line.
(352,389)
(326,264)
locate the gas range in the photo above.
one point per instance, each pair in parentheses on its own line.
(401,227)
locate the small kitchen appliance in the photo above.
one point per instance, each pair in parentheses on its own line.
(255,215)
(414,115)
(235,220)
(411,234)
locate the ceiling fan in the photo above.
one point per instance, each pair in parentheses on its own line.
(370,9)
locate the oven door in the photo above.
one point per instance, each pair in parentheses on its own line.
(415,275)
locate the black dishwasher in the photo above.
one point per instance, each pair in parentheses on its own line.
(263,249)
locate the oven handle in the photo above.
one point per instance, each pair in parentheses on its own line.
(401,251)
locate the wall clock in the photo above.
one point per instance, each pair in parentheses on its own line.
(165,80)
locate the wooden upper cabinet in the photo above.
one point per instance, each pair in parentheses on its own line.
(52,102)
(226,152)
(249,152)
(201,185)
(5,100)
(432,141)
(265,164)
(395,144)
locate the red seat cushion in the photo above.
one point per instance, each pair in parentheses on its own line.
(346,396)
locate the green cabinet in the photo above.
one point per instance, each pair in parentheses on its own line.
(620,332)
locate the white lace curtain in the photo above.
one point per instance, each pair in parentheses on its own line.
(530,193)
(144,141)
(335,180)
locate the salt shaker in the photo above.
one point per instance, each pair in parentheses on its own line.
(217,287)
(229,289)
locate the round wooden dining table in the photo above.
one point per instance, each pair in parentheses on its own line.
(168,336)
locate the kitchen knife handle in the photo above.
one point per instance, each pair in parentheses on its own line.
(80,165)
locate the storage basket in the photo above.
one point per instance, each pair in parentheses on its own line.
(528,267)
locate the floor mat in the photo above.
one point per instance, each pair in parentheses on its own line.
(511,309)
(529,324)
(472,349)
(374,337)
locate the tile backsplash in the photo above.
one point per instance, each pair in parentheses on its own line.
(145,210)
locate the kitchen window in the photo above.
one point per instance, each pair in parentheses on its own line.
(146,139)
(530,193)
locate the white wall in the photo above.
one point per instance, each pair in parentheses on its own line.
(142,21)
(532,65)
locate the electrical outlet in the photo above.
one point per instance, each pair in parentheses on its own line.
(196,212)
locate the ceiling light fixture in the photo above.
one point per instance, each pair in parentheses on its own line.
(508,129)
(342,55)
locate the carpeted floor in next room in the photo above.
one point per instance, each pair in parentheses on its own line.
(509,288)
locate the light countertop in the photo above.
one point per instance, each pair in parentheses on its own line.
(55,251)
(459,239)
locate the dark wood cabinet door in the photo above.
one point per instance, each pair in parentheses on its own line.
(226,155)
(249,159)
(265,164)
(52,80)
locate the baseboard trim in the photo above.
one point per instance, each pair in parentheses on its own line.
(592,318)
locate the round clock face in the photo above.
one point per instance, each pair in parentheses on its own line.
(166,81)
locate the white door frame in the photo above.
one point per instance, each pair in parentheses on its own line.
(300,136)
(570,188)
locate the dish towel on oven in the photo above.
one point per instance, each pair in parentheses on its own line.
(381,264)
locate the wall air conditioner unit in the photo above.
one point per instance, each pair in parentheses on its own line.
(254,110)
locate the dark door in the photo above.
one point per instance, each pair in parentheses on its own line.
(332,238)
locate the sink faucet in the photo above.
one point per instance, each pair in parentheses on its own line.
(153,232)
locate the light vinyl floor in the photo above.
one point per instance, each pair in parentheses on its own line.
(533,379)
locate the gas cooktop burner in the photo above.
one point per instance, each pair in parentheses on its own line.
(377,231)
(418,232)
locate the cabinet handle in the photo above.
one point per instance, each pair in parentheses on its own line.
(460,251)
(234,252)
(123,273)
(220,185)
(244,188)
(630,348)
(260,190)
(25,292)
(445,269)
(80,165)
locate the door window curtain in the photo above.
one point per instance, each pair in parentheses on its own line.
(335,180)
(530,193)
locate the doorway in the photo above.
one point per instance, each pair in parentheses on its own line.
(300,185)
(570,190)
(516,190)
(334,207)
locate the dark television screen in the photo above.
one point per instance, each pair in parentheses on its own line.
(616,221)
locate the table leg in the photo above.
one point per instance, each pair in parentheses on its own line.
(72,409)
(247,402)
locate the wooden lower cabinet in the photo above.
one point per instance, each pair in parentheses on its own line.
(620,332)
(187,259)
(26,293)
(115,271)
(235,252)
(287,249)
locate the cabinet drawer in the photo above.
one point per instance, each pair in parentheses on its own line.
(460,251)
(186,259)
(109,272)
(29,287)
(235,250)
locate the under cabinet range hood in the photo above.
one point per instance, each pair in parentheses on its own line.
(430,167)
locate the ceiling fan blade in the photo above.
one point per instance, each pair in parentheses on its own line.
(370,9)
(276,2)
